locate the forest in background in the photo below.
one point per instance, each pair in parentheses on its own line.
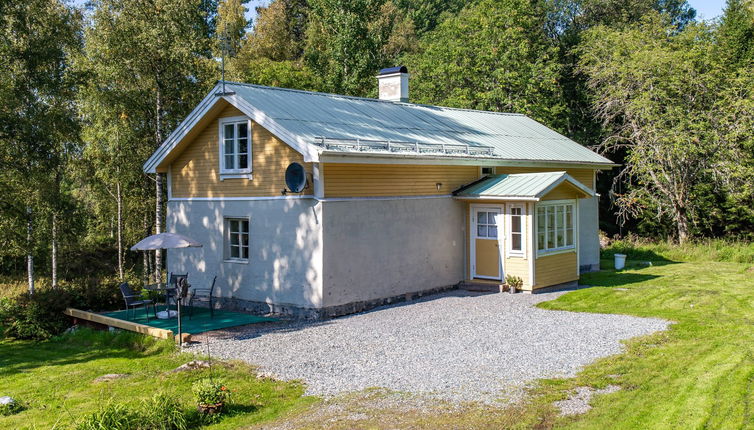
(89,93)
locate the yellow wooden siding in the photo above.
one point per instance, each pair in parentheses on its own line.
(555,269)
(563,191)
(374,180)
(196,171)
(585,176)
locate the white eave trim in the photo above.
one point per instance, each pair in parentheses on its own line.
(480,160)
(150,166)
(564,178)
(508,198)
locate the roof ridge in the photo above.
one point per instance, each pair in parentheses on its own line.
(369,99)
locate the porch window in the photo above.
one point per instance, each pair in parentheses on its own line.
(235,147)
(555,229)
(237,239)
(516,243)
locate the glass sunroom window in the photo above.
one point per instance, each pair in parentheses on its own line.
(555,226)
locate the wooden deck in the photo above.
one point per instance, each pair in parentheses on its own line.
(114,322)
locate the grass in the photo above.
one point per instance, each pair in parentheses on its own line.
(698,374)
(53,380)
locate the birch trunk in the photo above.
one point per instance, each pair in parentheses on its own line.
(146,273)
(29,255)
(158,184)
(54,256)
(119,198)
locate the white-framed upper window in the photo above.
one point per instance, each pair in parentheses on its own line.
(235,146)
(486,170)
(516,230)
(237,239)
(555,226)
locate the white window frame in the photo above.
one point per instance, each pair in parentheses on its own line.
(234,173)
(574,227)
(481,170)
(509,234)
(226,240)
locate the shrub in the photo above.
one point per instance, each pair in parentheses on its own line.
(38,316)
(514,281)
(208,392)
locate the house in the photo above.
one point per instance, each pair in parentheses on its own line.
(402,198)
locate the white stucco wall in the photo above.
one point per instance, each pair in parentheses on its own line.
(589,241)
(381,248)
(285,264)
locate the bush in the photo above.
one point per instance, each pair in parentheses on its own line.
(38,316)
(208,392)
(637,248)
(113,416)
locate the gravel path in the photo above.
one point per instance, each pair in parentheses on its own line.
(457,346)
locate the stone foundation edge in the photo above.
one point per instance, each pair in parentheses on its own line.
(298,312)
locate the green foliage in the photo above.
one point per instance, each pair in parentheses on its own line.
(643,249)
(494,55)
(112,416)
(209,392)
(38,316)
(12,408)
(514,282)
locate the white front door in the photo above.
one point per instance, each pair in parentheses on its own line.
(486,230)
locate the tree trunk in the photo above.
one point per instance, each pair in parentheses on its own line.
(158,184)
(119,198)
(54,256)
(146,273)
(29,246)
(682,223)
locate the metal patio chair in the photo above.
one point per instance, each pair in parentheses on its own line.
(203,295)
(134,300)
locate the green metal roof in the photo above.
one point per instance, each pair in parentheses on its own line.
(520,186)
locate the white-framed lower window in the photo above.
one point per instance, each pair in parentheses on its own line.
(555,226)
(235,147)
(237,239)
(516,230)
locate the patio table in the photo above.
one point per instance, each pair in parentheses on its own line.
(169,292)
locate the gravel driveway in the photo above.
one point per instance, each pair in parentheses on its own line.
(455,346)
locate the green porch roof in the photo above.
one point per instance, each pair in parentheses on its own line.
(521,186)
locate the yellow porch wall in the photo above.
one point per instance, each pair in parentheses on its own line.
(555,269)
(196,171)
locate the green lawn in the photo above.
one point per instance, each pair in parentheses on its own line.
(54,380)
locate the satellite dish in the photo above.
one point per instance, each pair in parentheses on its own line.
(295,177)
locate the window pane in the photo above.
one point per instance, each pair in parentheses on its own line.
(244,239)
(234,239)
(229,148)
(541,240)
(245,226)
(516,224)
(243,161)
(516,242)
(228,131)
(233,226)
(569,237)
(569,216)
(245,252)
(492,232)
(234,252)
(515,211)
(481,231)
(481,217)
(243,129)
(229,162)
(551,227)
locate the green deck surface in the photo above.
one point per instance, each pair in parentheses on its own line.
(199,323)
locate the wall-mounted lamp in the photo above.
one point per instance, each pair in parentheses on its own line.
(438,185)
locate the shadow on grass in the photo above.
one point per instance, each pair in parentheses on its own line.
(16,356)
(611,278)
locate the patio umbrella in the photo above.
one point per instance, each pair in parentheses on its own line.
(167,241)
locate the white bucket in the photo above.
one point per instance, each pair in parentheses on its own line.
(620,261)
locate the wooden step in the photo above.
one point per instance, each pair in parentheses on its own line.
(480,286)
